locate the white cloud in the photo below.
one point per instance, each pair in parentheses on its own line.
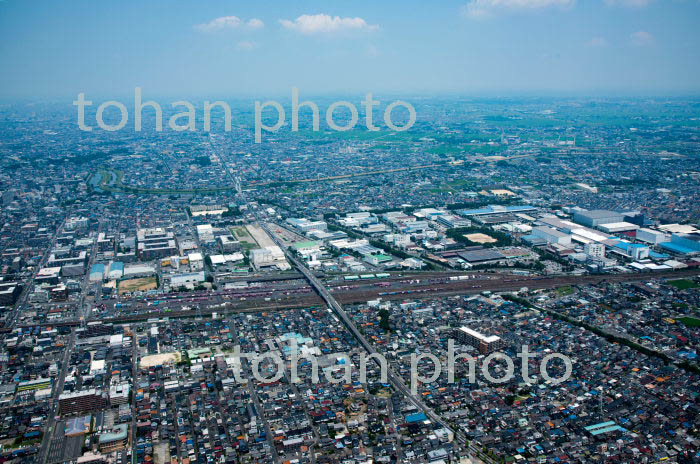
(246,45)
(597,42)
(326,24)
(628,3)
(229,22)
(485,8)
(642,38)
(255,23)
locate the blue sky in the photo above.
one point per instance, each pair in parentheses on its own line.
(188,48)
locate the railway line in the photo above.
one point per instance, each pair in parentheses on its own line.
(394,288)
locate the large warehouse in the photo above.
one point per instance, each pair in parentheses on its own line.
(551,235)
(596,217)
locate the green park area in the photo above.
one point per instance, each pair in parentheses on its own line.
(565,291)
(683,284)
(690,321)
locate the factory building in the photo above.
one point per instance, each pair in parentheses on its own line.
(618,227)
(188,278)
(271,256)
(653,237)
(551,235)
(305,225)
(497,209)
(596,217)
(635,251)
(683,243)
(139,270)
(690,241)
(116,270)
(97,273)
(451,221)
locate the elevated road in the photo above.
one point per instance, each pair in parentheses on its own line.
(395,380)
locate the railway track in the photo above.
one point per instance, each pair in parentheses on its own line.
(304,297)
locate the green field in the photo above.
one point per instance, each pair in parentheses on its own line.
(242,234)
(683,284)
(565,291)
(690,321)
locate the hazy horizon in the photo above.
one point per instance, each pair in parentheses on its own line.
(468,48)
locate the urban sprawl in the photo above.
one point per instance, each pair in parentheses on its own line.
(136,268)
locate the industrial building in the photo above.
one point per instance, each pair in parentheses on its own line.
(271,256)
(116,270)
(304,225)
(551,235)
(683,243)
(97,273)
(496,209)
(635,251)
(653,237)
(596,217)
(138,270)
(451,221)
(482,256)
(188,278)
(618,227)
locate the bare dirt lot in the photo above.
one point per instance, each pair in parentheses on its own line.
(137,285)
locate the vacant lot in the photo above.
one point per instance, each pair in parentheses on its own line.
(141,284)
(260,236)
(480,238)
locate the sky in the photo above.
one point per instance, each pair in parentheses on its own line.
(189,48)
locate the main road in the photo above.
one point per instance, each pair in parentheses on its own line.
(16,314)
(65,362)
